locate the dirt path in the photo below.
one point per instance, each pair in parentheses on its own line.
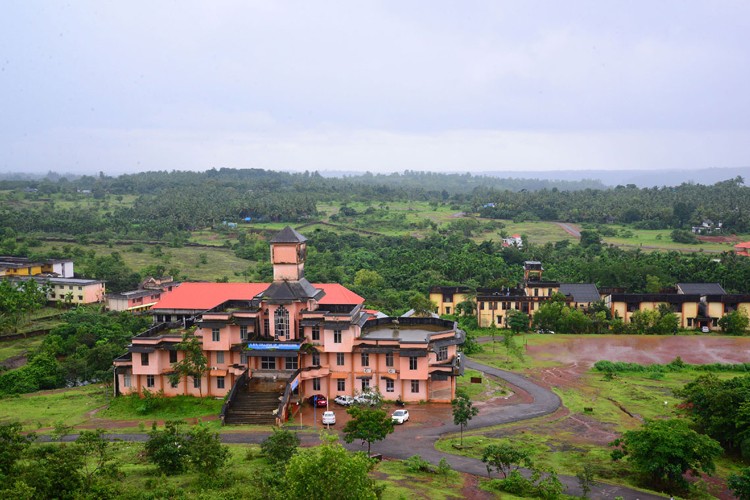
(570,229)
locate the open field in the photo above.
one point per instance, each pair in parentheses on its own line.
(597,409)
(219,262)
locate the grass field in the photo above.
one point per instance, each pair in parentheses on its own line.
(47,408)
(219,262)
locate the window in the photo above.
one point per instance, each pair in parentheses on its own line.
(442,353)
(215,334)
(149,381)
(536,292)
(173,356)
(80,288)
(316,384)
(499,320)
(219,382)
(316,332)
(481,306)
(365,359)
(144,359)
(337,336)
(388,385)
(365,384)
(389,359)
(290,363)
(267,363)
(447,310)
(549,292)
(243,332)
(447,298)
(126,380)
(341,384)
(281,323)
(80,297)
(415,386)
(219,357)
(173,384)
(316,359)
(339,359)
(266,327)
(412,362)
(196,383)
(243,358)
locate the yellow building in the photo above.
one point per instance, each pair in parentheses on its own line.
(446,298)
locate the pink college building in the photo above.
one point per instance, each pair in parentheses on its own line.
(297,338)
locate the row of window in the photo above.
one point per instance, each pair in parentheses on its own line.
(151,382)
(269,363)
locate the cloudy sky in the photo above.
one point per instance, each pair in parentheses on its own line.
(382,86)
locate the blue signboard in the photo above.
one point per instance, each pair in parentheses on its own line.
(273,347)
(295,383)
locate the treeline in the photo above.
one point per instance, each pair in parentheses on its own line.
(176,202)
(677,207)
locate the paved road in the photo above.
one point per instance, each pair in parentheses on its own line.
(412,440)
(569,229)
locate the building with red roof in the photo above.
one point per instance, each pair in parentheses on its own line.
(742,249)
(287,339)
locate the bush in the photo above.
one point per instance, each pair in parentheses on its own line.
(279,447)
(415,463)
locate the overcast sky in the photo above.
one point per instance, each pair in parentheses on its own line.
(123,86)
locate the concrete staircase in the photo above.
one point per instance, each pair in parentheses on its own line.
(255,404)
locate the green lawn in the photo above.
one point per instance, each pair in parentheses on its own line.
(48,408)
(220,262)
(18,347)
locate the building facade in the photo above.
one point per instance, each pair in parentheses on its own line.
(317,338)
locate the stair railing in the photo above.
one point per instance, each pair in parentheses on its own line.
(239,384)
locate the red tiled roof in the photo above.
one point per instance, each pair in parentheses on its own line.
(745,244)
(338,294)
(204,296)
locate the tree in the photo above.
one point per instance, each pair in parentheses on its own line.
(664,450)
(193,364)
(505,458)
(99,467)
(720,408)
(279,447)
(168,449)
(18,300)
(207,454)
(463,412)
(734,323)
(422,305)
(367,424)
(740,484)
(329,471)
(590,238)
(518,321)
(13,444)
(586,480)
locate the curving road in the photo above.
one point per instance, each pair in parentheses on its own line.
(412,440)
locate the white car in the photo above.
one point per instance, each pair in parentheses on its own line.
(329,418)
(366,398)
(344,400)
(400,416)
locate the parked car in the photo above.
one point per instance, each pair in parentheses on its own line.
(545,330)
(366,398)
(705,329)
(344,400)
(329,418)
(318,400)
(400,416)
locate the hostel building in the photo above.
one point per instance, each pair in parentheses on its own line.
(296,337)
